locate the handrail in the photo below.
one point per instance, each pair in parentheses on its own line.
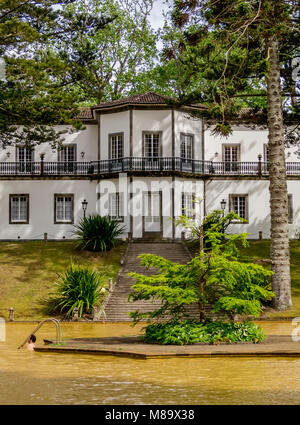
(58,330)
(141,164)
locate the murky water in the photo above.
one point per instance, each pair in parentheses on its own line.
(50,378)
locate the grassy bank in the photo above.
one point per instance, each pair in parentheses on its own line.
(28,270)
(261,250)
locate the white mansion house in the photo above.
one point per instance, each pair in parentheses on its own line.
(142,161)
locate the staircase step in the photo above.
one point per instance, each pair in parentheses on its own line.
(118,306)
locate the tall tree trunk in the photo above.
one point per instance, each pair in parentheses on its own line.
(279,253)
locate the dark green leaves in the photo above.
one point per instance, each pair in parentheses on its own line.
(96,233)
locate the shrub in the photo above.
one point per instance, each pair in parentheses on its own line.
(77,287)
(192,332)
(96,233)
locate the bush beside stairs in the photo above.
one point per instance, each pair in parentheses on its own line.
(117,307)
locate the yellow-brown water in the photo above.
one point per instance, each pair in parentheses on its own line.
(50,378)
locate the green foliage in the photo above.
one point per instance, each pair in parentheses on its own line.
(98,234)
(213,227)
(191,332)
(216,277)
(78,287)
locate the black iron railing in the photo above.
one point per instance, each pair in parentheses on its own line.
(136,164)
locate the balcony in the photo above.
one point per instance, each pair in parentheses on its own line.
(141,166)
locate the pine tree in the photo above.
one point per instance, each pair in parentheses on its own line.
(252,35)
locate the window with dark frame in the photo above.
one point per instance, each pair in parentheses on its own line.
(186,146)
(239,205)
(19,209)
(116,146)
(116,206)
(64,208)
(188,205)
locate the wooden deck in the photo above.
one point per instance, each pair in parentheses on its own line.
(133,347)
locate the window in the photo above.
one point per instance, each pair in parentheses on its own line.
(152,207)
(116,146)
(290,208)
(231,157)
(186,146)
(19,209)
(188,205)
(67,159)
(25,159)
(63,208)
(239,204)
(152,145)
(116,206)
(266,153)
(67,153)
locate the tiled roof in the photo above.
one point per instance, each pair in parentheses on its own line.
(149,98)
(85,113)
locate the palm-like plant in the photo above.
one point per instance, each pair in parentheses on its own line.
(97,233)
(79,288)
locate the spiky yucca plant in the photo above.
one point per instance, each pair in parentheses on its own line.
(78,287)
(97,233)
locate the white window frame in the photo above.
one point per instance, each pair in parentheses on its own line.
(64,220)
(116,206)
(152,137)
(239,197)
(116,145)
(188,205)
(149,207)
(186,146)
(19,219)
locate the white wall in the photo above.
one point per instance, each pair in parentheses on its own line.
(41,206)
(152,121)
(117,122)
(258,204)
(86,141)
(251,142)
(185,123)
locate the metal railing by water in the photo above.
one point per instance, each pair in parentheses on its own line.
(140,164)
(58,330)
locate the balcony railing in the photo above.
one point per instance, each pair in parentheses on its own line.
(134,164)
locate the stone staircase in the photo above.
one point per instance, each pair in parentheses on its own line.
(118,306)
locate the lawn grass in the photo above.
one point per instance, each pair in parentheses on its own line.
(261,250)
(29,268)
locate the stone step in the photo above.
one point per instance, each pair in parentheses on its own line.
(118,305)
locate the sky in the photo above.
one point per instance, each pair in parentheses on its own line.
(156,17)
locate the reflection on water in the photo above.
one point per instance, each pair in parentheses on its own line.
(51,378)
